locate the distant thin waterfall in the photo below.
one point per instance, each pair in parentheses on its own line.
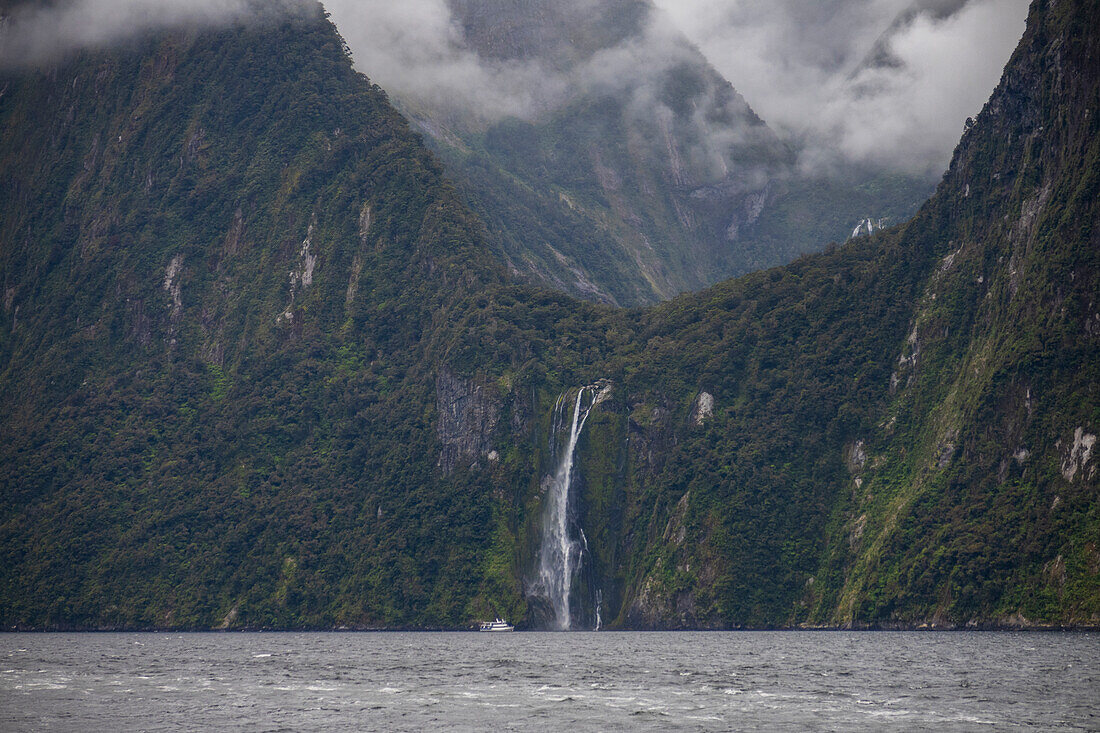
(561,553)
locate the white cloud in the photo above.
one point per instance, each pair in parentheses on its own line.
(37,34)
(414,49)
(800,65)
(418,51)
(802,68)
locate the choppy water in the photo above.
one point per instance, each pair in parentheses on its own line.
(551,681)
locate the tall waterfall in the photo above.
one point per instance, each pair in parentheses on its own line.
(562,550)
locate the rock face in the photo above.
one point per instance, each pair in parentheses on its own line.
(703,410)
(658,606)
(468,416)
(1079,455)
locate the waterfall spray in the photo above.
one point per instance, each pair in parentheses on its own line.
(561,554)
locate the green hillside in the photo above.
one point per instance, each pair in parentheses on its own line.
(223,268)
(260,367)
(905,437)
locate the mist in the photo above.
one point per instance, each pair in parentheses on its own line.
(883,82)
(33,34)
(491,60)
(886,83)
(416,50)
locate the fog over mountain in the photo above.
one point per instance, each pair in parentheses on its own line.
(882,81)
(887,82)
(613,161)
(33,33)
(488,59)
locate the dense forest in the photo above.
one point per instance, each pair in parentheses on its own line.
(262,367)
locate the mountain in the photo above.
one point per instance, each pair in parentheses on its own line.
(649,174)
(993,481)
(934,387)
(220,265)
(260,367)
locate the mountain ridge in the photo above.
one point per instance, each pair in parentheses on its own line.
(265,371)
(632,189)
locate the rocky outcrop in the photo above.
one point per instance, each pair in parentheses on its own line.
(301,277)
(703,409)
(468,416)
(1078,456)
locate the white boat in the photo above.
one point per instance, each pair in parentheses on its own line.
(498,625)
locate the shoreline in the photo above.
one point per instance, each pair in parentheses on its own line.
(871,628)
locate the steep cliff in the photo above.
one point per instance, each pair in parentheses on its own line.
(259,367)
(902,428)
(223,259)
(975,502)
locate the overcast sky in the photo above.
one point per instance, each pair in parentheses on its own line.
(35,35)
(798,63)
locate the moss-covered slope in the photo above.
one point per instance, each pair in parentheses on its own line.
(224,256)
(260,368)
(902,428)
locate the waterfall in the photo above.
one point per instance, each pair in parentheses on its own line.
(561,553)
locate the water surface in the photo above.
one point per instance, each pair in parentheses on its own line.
(817,681)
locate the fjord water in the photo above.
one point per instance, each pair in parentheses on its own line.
(551,681)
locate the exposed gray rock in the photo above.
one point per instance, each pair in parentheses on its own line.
(703,409)
(468,416)
(1079,455)
(173,287)
(858,528)
(856,457)
(301,277)
(676,530)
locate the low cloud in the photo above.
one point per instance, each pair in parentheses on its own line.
(707,126)
(881,82)
(416,50)
(34,34)
(475,62)
(887,83)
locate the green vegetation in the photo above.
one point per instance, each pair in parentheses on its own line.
(261,368)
